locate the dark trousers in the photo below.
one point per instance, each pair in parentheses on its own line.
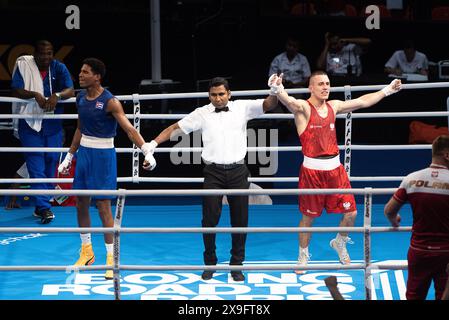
(423,267)
(40,164)
(219,178)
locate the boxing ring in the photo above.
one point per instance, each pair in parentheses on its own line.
(169,281)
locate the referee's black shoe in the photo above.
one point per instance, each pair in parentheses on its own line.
(45,215)
(207,274)
(237,276)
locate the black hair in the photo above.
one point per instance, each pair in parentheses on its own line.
(42,43)
(219,81)
(97,66)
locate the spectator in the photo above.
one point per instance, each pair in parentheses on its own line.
(427,191)
(47,81)
(407,60)
(341,56)
(292,64)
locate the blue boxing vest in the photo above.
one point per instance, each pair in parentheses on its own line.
(95,121)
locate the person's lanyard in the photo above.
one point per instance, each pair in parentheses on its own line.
(43,75)
(49,80)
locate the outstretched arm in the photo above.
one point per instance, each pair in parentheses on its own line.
(166,133)
(270,103)
(367,100)
(162,137)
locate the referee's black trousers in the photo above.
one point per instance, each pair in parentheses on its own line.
(219,178)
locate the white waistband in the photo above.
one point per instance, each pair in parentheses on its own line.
(97,143)
(321,164)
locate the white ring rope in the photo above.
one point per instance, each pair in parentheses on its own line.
(249,149)
(354,266)
(367,115)
(197,192)
(204,230)
(239,93)
(188,179)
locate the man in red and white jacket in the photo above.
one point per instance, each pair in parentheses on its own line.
(427,191)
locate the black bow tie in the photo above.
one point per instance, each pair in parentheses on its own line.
(222,109)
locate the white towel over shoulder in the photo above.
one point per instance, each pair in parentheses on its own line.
(33,82)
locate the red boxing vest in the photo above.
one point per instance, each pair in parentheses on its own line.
(319,137)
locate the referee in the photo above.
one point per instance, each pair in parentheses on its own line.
(223,127)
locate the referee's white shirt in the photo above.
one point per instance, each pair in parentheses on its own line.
(223,133)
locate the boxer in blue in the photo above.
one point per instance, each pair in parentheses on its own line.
(99,112)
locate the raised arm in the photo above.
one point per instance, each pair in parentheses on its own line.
(366,100)
(276,88)
(269,103)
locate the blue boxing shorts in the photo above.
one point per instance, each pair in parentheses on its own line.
(96,169)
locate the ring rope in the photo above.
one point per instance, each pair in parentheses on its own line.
(190,179)
(196,192)
(203,230)
(162,116)
(249,149)
(428,85)
(355,266)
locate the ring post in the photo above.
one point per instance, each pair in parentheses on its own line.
(367,241)
(117,225)
(348,129)
(135,157)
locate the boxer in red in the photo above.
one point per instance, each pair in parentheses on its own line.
(321,168)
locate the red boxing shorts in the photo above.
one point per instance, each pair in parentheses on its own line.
(335,178)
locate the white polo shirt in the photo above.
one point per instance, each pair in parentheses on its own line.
(295,71)
(337,63)
(223,133)
(398,59)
